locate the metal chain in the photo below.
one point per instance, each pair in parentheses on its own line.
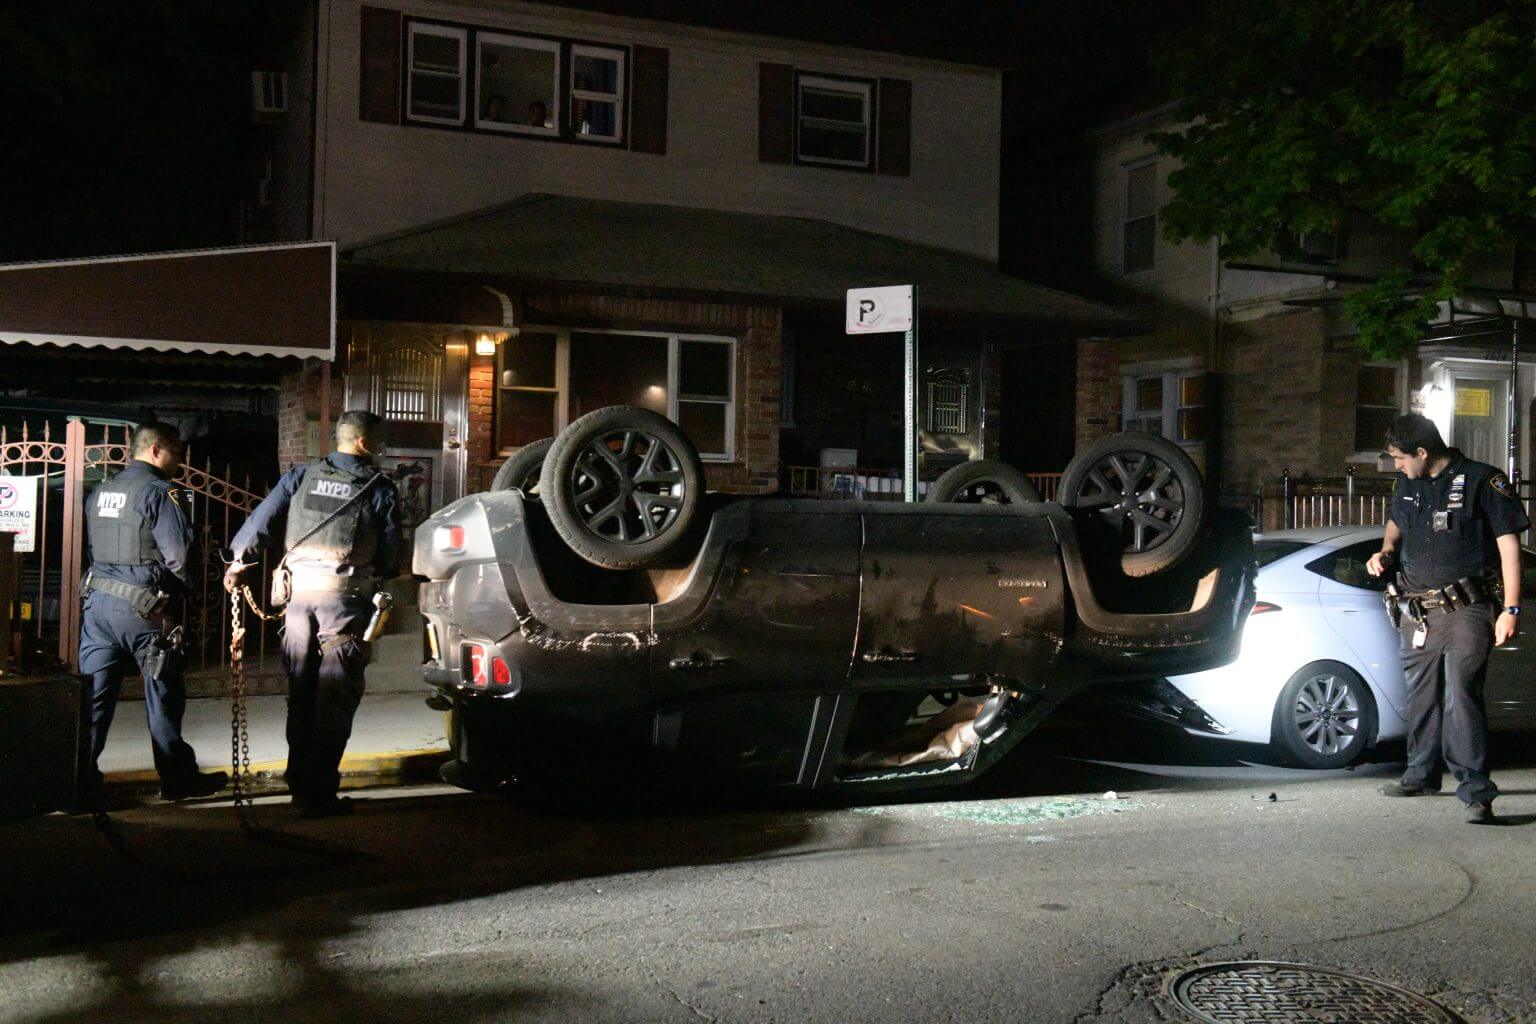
(239,724)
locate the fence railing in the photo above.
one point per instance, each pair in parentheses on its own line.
(863,484)
(69,468)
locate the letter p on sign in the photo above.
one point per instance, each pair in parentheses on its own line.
(879,310)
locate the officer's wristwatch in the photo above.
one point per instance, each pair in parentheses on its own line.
(1512,609)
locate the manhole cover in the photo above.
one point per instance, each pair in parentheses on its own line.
(1270,993)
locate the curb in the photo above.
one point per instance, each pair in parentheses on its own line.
(358,771)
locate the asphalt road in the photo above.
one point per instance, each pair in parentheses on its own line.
(1031,898)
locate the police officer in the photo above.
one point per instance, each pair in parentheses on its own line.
(340,524)
(140,537)
(1454,535)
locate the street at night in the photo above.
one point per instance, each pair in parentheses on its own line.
(1030,898)
(810,512)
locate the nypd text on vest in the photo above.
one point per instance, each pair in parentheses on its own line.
(332,489)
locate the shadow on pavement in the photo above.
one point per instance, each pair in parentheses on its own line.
(191,886)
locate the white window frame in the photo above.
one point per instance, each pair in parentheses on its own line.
(415,28)
(616,98)
(562,386)
(523,43)
(1169,413)
(1399,390)
(866,92)
(1126,219)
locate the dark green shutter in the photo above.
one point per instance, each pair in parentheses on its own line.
(895,127)
(775,113)
(379,75)
(648,100)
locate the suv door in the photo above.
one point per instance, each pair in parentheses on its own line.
(743,680)
(953,592)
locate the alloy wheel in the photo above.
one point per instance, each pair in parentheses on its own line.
(1327,714)
(629,486)
(1137,492)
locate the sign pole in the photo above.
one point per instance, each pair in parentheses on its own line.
(886,310)
(909,435)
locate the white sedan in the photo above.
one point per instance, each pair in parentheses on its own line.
(1318,677)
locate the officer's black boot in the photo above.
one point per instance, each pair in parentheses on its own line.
(202,784)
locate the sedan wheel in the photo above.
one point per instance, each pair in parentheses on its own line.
(1324,717)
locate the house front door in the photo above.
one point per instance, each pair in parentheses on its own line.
(1480,418)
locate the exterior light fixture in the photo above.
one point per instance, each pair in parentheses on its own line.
(485,345)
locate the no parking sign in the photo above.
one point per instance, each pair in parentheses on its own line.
(18,510)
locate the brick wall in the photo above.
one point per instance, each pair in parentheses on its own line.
(481,455)
(1098,390)
(1289,400)
(758,330)
(298,402)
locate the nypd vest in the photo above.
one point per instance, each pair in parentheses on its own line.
(352,538)
(120,534)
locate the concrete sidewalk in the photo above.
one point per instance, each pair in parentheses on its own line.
(394,737)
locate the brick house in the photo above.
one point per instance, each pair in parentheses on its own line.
(1252,365)
(542,210)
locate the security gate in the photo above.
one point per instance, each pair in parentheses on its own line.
(70,467)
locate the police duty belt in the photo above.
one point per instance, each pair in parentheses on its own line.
(145,601)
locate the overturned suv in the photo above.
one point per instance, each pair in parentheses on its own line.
(597,606)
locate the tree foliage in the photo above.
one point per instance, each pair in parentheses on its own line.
(1304,115)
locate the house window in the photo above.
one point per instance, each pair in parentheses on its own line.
(1376,404)
(705,389)
(833,120)
(1193,419)
(527,393)
(1140,218)
(435,86)
(548,378)
(1174,405)
(597,93)
(1144,404)
(517,84)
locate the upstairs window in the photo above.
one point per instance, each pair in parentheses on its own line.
(517,84)
(833,118)
(1140,228)
(435,85)
(597,93)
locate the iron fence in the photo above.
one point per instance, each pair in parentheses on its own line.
(69,468)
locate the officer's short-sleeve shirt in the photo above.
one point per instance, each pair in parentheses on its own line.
(1451,523)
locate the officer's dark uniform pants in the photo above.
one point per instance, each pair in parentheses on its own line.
(1447,721)
(113,638)
(324,656)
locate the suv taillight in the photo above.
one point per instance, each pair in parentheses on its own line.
(481,669)
(475,664)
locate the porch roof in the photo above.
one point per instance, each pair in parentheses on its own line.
(272,300)
(604,244)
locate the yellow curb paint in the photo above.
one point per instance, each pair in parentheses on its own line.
(390,762)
